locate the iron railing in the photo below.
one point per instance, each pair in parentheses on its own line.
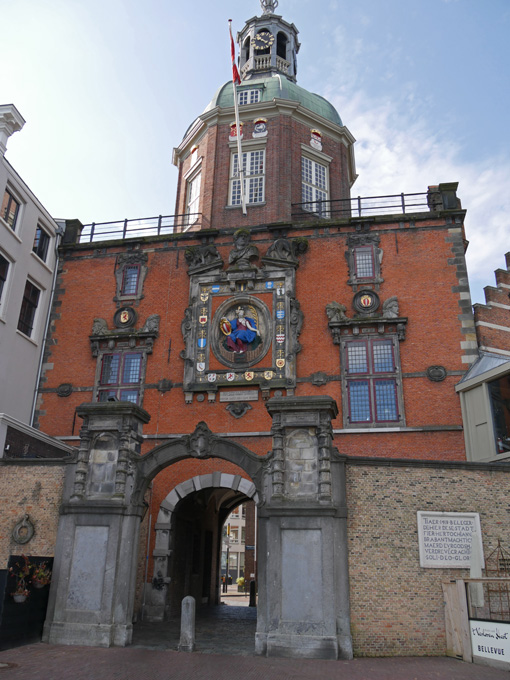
(362,206)
(147,226)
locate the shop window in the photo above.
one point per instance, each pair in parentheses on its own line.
(28,310)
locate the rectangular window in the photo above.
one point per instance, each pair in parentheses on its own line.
(364,262)
(10,209)
(314,187)
(374,398)
(130,277)
(193,198)
(119,372)
(28,308)
(248,97)
(41,243)
(4,269)
(254,170)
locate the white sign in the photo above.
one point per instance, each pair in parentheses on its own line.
(490,639)
(241,395)
(445,539)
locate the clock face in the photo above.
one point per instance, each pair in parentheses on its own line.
(262,40)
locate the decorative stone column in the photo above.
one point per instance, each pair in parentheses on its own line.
(303,608)
(92,592)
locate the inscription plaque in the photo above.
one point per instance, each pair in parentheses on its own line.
(445,539)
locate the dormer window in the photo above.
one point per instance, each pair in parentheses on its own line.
(248,97)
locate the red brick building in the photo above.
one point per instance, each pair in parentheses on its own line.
(270,348)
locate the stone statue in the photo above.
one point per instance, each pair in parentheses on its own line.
(243,251)
(336,311)
(284,250)
(296,323)
(99,327)
(152,324)
(390,308)
(197,256)
(240,332)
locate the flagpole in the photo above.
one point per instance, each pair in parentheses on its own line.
(235,79)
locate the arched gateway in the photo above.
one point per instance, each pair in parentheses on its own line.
(303,607)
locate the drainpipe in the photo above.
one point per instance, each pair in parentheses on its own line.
(58,235)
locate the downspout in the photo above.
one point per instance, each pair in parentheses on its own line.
(58,234)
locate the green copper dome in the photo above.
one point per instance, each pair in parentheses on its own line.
(277,87)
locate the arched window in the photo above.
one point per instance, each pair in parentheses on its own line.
(246,48)
(281,45)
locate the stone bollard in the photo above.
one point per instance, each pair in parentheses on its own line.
(253,597)
(187,642)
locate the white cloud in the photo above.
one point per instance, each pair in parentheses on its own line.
(397,151)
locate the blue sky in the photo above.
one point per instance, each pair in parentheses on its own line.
(108,89)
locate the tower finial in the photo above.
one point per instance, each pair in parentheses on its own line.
(268,6)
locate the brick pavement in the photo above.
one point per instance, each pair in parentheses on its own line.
(49,662)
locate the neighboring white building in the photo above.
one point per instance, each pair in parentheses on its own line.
(28,259)
(235,540)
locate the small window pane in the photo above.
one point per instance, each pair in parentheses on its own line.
(132,365)
(130,280)
(28,308)
(41,242)
(110,369)
(359,401)
(357,359)
(10,209)
(386,400)
(364,263)
(105,395)
(383,357)
(129,395)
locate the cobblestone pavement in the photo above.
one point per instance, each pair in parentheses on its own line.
(225,647)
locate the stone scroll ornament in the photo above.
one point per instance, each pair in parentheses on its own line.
(24,531)
(243,252)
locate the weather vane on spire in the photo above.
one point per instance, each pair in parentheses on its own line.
(268,6)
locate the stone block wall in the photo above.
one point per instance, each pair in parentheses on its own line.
(396,605)
(35,490)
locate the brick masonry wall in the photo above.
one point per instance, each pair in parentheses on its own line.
(397,606)
(35,490)
(493,318)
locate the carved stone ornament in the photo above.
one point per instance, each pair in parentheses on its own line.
(99,327)
(145,335)
(238,409)
(165,385)
(436,373)
(125,317)
(268,6)
(152,324)
(203,258)
(64,390)
(243,252)
(199,443)
(285,252)
(335,311)
(24,531)
(186,330)
(366,302)
(319,378)
(296,324)
(390,308)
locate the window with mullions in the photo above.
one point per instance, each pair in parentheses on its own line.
(41,243)
(130,279)
(193,197)
(254,169)
(248,97)
(10,209)
(364,262)
(120,373)
(28,309)
(370,373)
(314,187)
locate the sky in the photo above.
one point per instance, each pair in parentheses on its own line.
(108,88)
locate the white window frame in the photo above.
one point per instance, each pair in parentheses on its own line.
(245,97)
(16,228)
(6,286)
(254,183)
(193,188)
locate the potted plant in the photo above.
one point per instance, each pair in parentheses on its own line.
(21,572)
(41,575)
(240,584)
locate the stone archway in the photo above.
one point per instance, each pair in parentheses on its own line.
(303,606)
(161,597)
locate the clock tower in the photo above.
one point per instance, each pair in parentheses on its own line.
(268,45)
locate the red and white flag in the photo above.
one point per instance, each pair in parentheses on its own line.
(235,73)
